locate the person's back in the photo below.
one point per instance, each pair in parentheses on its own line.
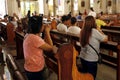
(73,28)
(65,22)
(92,13)
(33,47)
(90,36)
(100,22)
(79,16)
(61,27)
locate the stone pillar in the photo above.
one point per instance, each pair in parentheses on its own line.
(46,8)
(54,7)
(72,7)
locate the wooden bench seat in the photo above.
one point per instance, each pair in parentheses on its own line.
(14,68)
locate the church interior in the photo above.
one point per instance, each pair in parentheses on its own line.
(48,40)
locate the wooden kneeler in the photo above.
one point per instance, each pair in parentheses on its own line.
(66,56)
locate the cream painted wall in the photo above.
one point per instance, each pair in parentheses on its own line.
(12,7)
(82,9)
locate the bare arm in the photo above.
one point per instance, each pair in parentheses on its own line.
(48,46)
(47,37)
(106,38)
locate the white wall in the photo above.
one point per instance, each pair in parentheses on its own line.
(3,10)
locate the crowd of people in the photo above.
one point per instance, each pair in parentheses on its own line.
(34,44)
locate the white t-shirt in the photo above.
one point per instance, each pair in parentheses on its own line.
(61,27)
(15,24)
(87,53)
(92,13)
(74,30)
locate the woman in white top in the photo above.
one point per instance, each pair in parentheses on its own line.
(90,35)
(73,28)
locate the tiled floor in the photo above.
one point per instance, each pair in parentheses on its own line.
(104,72)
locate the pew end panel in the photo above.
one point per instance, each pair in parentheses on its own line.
(14,69)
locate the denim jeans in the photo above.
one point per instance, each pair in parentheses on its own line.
(90,67)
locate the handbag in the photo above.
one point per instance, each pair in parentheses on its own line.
(99,56)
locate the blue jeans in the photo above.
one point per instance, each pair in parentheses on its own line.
(90,67)
(35,75)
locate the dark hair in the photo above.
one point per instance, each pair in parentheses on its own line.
(80,13)
(73,20)
(91,9)
(35,24)
(11,18)
(87,30)
(28,14)
(65,18)
(6,15)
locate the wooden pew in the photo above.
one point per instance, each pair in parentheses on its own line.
(71,38)
(109,46)
(19,44)
(14,68)
(113,34)
(66,58)
(3,32)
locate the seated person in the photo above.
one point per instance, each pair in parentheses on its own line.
(65,23)
(79,16)
(73,28)
(100,22)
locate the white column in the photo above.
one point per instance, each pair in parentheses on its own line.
(46,10)
(41,6)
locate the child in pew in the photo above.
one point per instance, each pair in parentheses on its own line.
(33,47)
(90,35)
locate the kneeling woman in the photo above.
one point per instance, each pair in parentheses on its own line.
(34,46)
